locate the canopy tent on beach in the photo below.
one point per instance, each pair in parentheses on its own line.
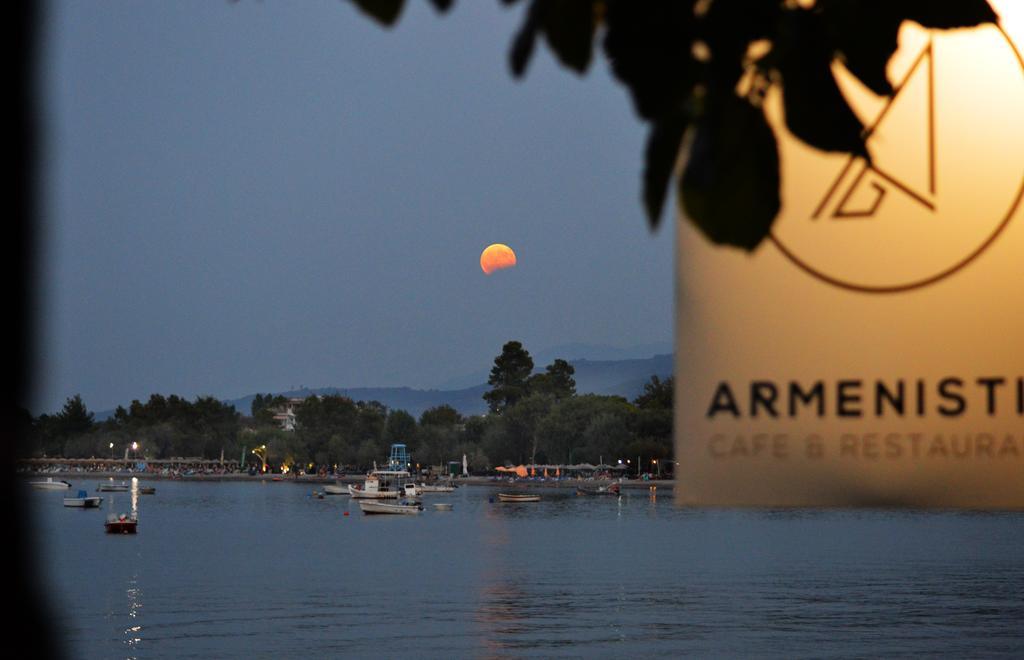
(549,470)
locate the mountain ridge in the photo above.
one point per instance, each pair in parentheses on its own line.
(624,378)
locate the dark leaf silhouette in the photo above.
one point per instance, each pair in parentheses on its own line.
(649,47)
(385,11)
(569,29)
(865,40)
(660,159)
(523,44)
(442,5)
(816,111)
(687,58)
(728,28)
(730,188)
(947,15)
(568,26)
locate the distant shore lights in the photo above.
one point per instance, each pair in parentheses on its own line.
(497,256)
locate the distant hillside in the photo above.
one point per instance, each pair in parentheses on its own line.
(619,377)
(574,353)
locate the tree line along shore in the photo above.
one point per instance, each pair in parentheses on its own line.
(532,418)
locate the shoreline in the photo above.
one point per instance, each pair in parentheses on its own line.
(349,478)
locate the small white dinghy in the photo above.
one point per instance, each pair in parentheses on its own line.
(406,507)
(50,484)
(84,501)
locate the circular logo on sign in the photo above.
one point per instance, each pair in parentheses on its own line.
(946,173)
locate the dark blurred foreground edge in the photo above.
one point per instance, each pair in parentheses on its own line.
(31,628)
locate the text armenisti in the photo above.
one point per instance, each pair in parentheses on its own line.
(948,397)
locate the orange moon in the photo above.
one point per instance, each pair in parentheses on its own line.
(497,256)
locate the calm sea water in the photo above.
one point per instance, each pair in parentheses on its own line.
(243,570)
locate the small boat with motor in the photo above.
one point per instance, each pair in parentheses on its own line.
(401,507)
(436,488)
(518,497)
(83,500)
(50,484)
(113,487)
(121,523)
(336,489)
(611,489)
(379,485)
(391,483)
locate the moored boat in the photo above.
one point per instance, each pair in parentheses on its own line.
(336,489)
(402,507)
(121,523)
(390,483)
(518,497)
(611,489)
(50,484)
(379,485)
(147,490)
(435,488)
(83,500)
(113,486)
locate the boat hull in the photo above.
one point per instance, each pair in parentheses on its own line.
(508,497)
(372,507)
(424,488)
(121,525)
(598,491)
(50,484)
(83,502)
(360,494)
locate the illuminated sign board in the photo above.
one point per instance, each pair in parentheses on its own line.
(871,352)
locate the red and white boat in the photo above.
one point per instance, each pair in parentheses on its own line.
(121,523)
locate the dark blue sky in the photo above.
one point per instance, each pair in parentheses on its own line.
(253,196)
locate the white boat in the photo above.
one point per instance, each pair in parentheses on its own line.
(390,483)
(113,487)
(336,489)
(517,497)
(50,484)
(406,507)
(379,485)
(84,501)
(436,488)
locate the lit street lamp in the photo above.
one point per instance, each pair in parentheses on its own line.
(261,453)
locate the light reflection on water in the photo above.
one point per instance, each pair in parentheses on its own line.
(242,569)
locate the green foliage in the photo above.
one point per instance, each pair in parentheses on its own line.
(657,395)
(509,376)
(265,406)
(545,421)
(443,415)
(557,380)
(163,428)
(400,427)
(74,418)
